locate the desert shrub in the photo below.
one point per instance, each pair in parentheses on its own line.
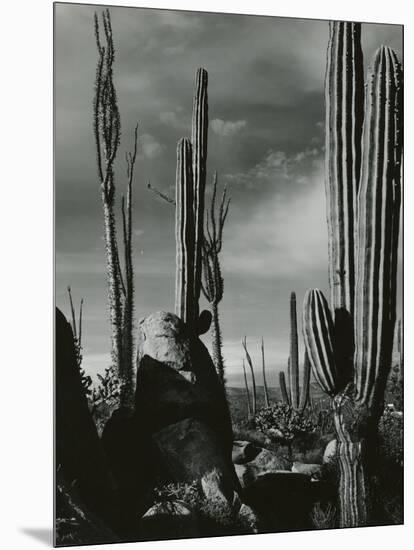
(104,397)
(281,422)
(391,437)
(388,478)
(324,516)
(190,493)
(215,517)
(86,381)
(320,415)
(394,388)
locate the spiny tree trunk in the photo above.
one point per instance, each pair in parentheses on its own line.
(246,385)
(266,392)
(107,131)
(249,362)
(217,344)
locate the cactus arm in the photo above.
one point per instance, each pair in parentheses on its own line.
(294,353)
(318,333)
(344,92)
(377,232)
(304,396)
(184,233)
(199,142)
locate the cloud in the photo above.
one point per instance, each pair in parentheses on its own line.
(227,128)
(277,168)
(150,147)
(171,118)
(286,233)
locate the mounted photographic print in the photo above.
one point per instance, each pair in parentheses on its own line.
(228,335)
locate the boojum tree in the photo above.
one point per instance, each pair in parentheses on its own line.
(107,131)
(212,281)
(350,350)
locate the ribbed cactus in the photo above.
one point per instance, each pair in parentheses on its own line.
(283,388)
(366,288)
(377,231)
(294,354)
(199,131)
(344,98)
(293,395)
(190,190)
(305,391)
(184,233)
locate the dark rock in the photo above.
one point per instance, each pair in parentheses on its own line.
(264,463)
(244,451)
(164,338)
(75,524)
(79,453)
(190,450)
(282,500)
(133,461)
(164,397)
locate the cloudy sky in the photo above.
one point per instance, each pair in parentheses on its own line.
(266,138)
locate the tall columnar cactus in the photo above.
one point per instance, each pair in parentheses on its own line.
(292,394)
(184,233)
(344,100)
(305,391)
(199,133)
(358,394)
(283,388)
(294,354)
(190,191)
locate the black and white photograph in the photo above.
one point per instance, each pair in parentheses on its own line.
(228,240)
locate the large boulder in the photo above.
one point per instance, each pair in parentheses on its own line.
(312,470)
(79,453)
(190,450)
(329,454)
(244,451)
(165,339)
(267,461)
(164,397)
